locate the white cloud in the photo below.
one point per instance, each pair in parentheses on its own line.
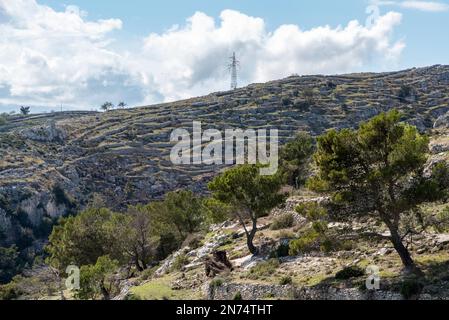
(191,60)
(427,6)
(49,57)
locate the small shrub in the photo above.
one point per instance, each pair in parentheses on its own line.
(263,269)
(404,92)
(309,96)
(237,296)
(286,280)
(327,245)
(443,221)
(9,291)
(317,236)
(309,241)
(179,262)
(312,211)
(346,245)
(148,273)
(348,273)
(284,221)
(410,288)
(217,282)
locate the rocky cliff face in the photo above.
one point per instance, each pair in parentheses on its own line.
(54,164)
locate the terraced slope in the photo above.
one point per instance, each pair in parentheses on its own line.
(53,164)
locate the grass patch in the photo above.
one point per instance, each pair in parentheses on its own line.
(160,289)
(315,280)
(263,269)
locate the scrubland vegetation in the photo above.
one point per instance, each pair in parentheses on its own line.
(95,190)
(376,171)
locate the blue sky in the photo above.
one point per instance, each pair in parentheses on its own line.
(79,53)
(425,32)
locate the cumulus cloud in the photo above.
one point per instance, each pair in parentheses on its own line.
(48,57)
(192,58)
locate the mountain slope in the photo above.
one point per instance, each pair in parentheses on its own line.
(54,164)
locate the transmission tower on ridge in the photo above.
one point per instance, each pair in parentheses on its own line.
(233,66)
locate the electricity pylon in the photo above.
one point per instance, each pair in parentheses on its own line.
(233,66)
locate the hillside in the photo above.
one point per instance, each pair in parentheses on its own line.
(307,276)
(55,164)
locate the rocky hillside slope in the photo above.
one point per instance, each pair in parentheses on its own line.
(53,164)
(312,275)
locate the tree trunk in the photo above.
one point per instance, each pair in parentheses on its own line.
(250,239)
(137,262)
(403,252)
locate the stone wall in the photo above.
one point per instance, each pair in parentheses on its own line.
(228,291)
(261,292)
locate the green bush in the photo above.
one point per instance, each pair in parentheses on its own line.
(263,269)
(148,273)
(348,273)
(98,280)
(410,288)
(327,245)
(309,241)
(404,92)
(317,236)
(312,211)
(179,262)
(284,221)
(294,159)
(217,282)
(10,291)
(9,263)
(443,221)
(286,280)
(309,96)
